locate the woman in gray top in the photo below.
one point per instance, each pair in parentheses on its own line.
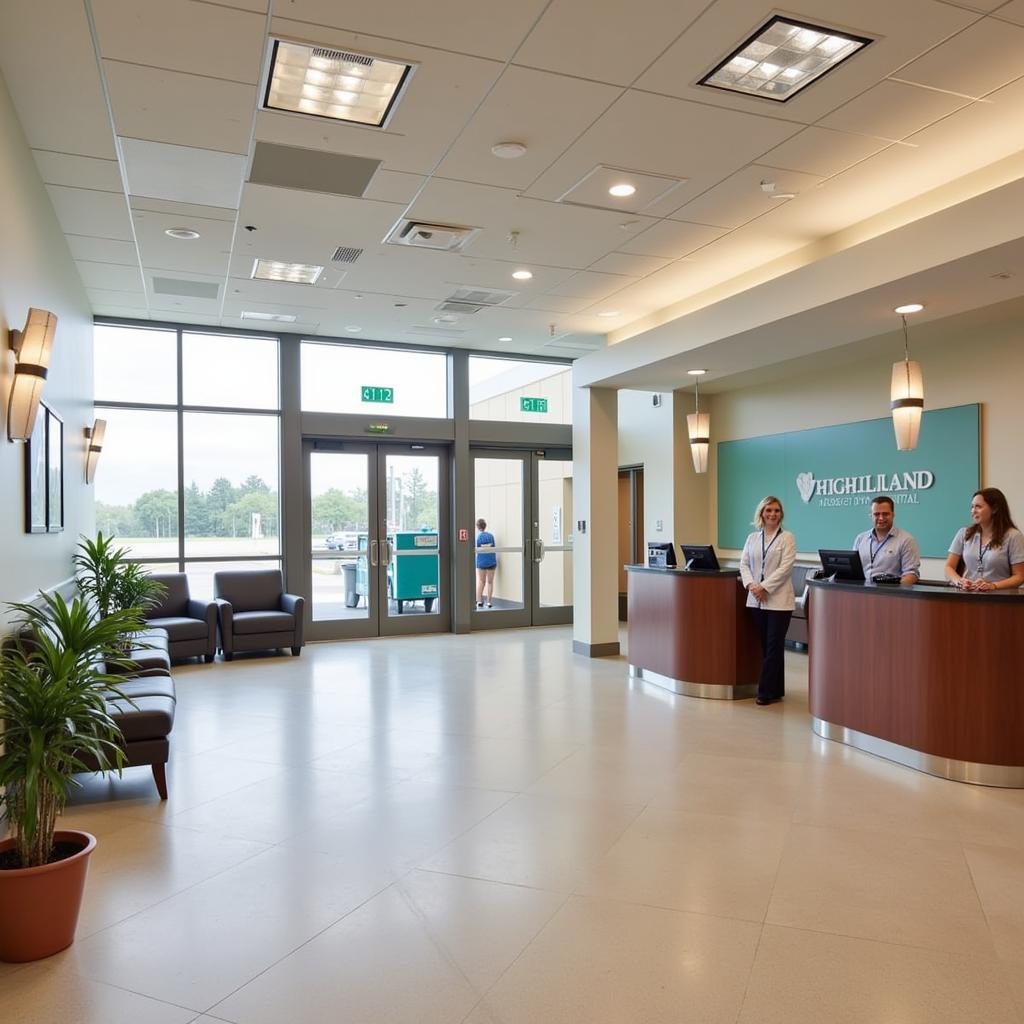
(992,548)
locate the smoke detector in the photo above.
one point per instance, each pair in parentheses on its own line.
(423,235)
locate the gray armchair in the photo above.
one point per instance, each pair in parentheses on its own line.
(256,613)
(191,625)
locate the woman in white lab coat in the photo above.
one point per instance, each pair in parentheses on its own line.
(765,569)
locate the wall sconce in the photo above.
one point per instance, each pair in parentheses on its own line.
(32,347)
(95,435)
(698,426)
(906,392)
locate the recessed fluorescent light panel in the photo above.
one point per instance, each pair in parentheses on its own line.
(783,57)
(278,318)
(296,273)
(336,84)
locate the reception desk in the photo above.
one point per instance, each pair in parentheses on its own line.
(927,676)
(689,632)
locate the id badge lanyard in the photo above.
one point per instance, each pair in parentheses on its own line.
(766,549)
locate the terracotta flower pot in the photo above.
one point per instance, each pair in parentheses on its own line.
(39,906)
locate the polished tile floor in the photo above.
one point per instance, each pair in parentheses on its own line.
(487,829)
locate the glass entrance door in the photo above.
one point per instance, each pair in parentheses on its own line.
(525,502)
(378,557)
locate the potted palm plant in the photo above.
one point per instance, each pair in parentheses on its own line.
(56,675)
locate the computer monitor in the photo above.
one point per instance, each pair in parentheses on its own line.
(843,565)
(661,556)
(699,556)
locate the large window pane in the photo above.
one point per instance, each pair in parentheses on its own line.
(200,574)
(518,391)
(498,500)
(232,505)
(137,481)
(231,370)
(374,381)
(135,364)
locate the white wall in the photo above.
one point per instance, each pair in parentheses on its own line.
(36,269)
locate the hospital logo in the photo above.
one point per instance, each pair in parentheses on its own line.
(805,485)
(846,490)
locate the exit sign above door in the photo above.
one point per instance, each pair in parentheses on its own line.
(533,404)
(372,394)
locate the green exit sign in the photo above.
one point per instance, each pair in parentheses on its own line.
(370,394)
(533,404)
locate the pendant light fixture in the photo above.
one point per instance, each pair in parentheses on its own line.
(907,390)
(698,426)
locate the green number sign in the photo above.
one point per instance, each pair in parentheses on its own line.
(372,394)
(533,404)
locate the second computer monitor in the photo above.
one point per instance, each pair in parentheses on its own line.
(843,565)
(699,556)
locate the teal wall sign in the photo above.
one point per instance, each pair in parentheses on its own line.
(375,394)
(532,404)
(826,478)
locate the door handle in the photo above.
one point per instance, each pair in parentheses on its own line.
(538,550)
(373,553)
(389,552)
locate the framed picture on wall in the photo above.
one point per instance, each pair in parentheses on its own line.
(35,476)
(54,472)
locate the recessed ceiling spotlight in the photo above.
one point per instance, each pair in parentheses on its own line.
(505,338)
(334,84)
(508,150)
(182,233)
(294,273)
(522,275)
(610,312)
(696,373)
(353,328)
(910,307)
(622,190)
(781,58)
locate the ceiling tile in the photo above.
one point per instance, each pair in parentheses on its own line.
(661,135)
(180,174)
(903,31)
(189,211)
(103,250)
(550,234)
(983,57)
(611,42)
(588,285)
(1013,11)
(78,171)
(892,110)
(104,299)
(207,254)
(186,110)
(672,239)
(557,303)
(110,276)
(393,187)
(488,28)
(82,211)
(629,264)
(822,152)
(197,38)
(741,198)
(509,114)
(42,87)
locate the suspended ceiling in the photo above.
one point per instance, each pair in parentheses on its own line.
(144,116)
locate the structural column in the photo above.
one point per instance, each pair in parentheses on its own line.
(595,461)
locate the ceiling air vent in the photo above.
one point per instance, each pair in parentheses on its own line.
(421,235)
(346,254)
(448,306)
(481,296)
(342,56)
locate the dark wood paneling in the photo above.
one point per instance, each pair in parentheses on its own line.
(939,674)
(692,627)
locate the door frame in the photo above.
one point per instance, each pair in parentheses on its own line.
(379,622)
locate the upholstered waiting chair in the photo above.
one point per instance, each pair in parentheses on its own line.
(191,625)
(256,613)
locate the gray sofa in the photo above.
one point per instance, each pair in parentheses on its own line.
(191,625)
(255,613)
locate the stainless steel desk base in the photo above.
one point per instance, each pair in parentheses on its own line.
(710,691)
(1003,776)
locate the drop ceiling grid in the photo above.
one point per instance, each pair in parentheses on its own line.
(78,171)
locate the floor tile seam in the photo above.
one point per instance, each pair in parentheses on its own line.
(990,958)
(981,902)
(490,881)
(131,991)
(750,975)
(180,892)
(876,830)
(622,901)
(305,942)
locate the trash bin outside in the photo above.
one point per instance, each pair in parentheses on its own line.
(351,594)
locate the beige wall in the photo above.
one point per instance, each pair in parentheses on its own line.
(557,389)
(976,357)
(36,269)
